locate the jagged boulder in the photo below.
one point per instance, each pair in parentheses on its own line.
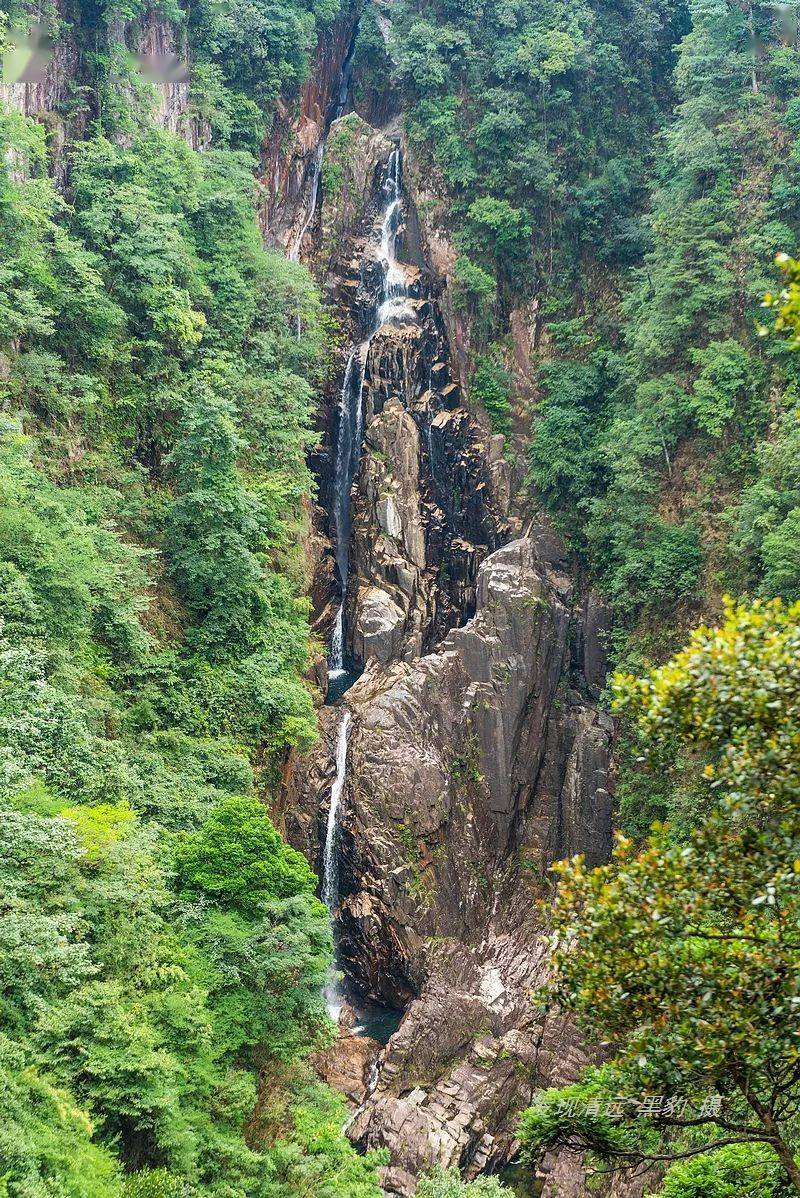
(378,629)
(353,157)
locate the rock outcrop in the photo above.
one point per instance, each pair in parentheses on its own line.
(349,1065)
(45,83)
(477,755)
(470,1053)
(470,770)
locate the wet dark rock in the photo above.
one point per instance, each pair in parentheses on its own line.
(296,132)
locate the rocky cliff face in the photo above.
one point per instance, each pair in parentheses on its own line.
(431,500)
(44,87)
(477,755)
(470,770)
(472,767)
(292,152)
(470,760)
(432,496)
(163,56)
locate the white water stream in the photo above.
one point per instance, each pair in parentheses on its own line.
(394,306)
(330,860)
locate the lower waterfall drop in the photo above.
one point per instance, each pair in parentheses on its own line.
(348,453)
(334,995)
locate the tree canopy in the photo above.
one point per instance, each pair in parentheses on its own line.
(685,951)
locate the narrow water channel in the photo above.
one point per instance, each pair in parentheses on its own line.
(391,305)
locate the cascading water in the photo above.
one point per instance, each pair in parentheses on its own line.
(377,1021)
(393,306)
(330,860)
(369,1090)
(316,173)
(345,77)
(348,454)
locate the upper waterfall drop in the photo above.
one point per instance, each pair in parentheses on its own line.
(393,305)
(348,452)
(392,187)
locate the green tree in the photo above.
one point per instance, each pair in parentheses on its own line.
(315,1158)
(46,1144)
(238,858)
(446,1183)
(722,1174)
(685,952)
(491,386)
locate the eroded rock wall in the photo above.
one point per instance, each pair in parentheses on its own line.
(477,753)
(470,770)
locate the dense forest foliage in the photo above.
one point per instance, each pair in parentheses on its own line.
(163,951)
(632,166)
(627,170)
(623,175)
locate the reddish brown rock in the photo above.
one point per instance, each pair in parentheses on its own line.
(348,1065)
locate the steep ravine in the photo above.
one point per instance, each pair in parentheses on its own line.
(462,746)
(473,754)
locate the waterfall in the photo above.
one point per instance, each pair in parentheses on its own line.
(393,306)
(348,454)
(330,860)
(346,76)
(391,288)
(316,173)
(371,1086)
(340,514)
(392,188)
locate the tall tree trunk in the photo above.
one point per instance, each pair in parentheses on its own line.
(772,1127)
